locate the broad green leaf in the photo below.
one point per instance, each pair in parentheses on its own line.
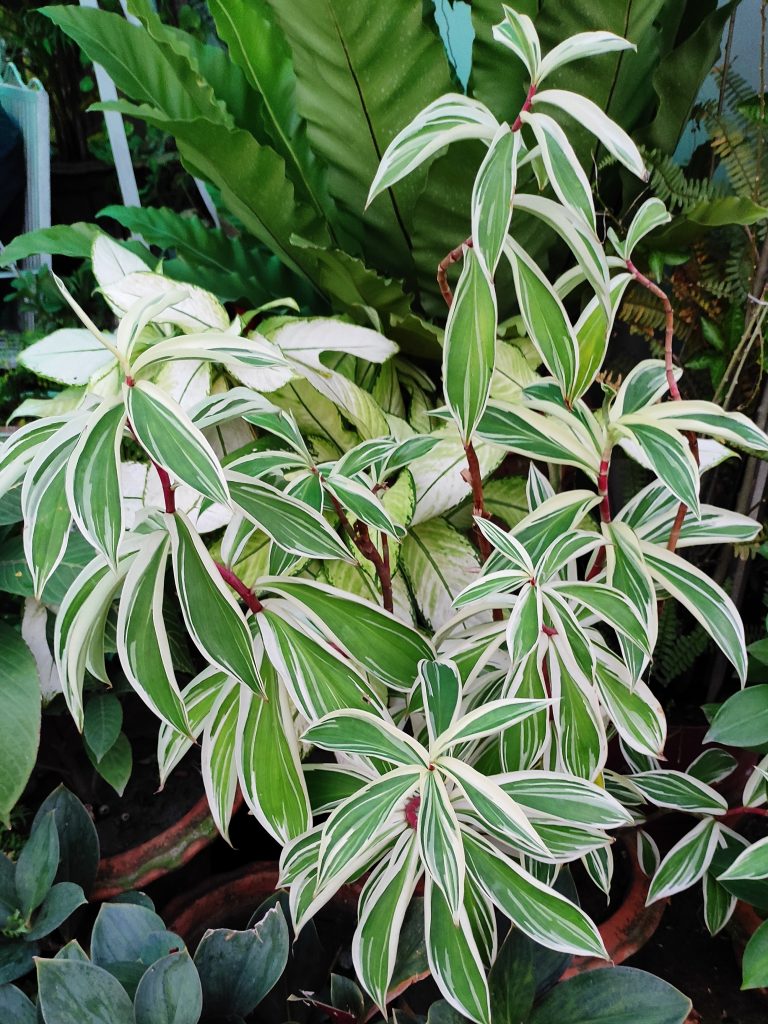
(60,240)
(545,319)
(707,602)
(492,198)
(102,723)
(686,862)
(72,992)
(540,912)
(377,936)
(360,732)
(454,958)
(469,350)
(169,992)
(20,721)
(372,637)
(590,116)
(93,480)
(751,864)
(669,788)
(37,865)
(612,996)
(651,215)
(142,638)
(438,562)
(610,605)
(116,765)
(214,620)
(708,418)
(291,523)
(448,119)
(741,720)
(755,961)
(319,679)
(564,171)
(527,432)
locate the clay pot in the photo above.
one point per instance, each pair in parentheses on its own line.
(163,853)
(630,926)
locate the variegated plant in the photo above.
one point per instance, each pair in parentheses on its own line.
(339,562)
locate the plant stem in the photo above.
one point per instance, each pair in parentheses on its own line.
(674,391)
(442,270)
(242,590)
(478,502)
(360,536)
(605,509)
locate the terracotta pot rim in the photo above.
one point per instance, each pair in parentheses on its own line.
(162,853)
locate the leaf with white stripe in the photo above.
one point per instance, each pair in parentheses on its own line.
(708,603)
(469,350)
(750,865)
(360,732)
(523,430)
(576,47)
(439,836)
(631,705)
(708,418)
(199,697)
(590,116)
(492,197)
(610,605)
(216,625)
(563,797)
(454,958)
(666,787)
(440,686)
(564,171)
(170,438)
(667,453)
(18,450)
(518,33)
(291,523)
(538,911)
(377,936)
(142,639)
(92,480)
(686,862)
(217,759)
(493,717)
(269,762)
(448,119)
(356,498)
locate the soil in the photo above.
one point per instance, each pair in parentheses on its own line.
(704,967)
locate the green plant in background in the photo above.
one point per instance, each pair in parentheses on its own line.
(292,154)
(465,678)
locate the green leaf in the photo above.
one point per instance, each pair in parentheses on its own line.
(216,625)
(439,835)
(103,721)
(651,215)
(169,992)
(78,840)
(269,762)
(357,498)
(37,865)
(93,480)
(74,240)
(218,757)
(454,958)
(518,33)
(20,720)
(686,862)
(116,765)
(724,211)
(72,992)
(545,319)
(383,906)
(541,437)
(62,899)
(612,996)
(751,864)
(319,679)
(564,171)
(669,788)
(469,351)
(360,732)
(372,637)
(742,720)
(440,686)
(170,438)
(492,717)
(511,981)
(14,1006)
(492,198)
(667,454)
(438,563)
(707,602)
(755,960)
(634,710)
(291,523)
(142,638)
(564,797)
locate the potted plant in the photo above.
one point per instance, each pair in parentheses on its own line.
(463,743)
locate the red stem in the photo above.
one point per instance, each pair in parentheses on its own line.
(361,538)
(517,124)
(476,482)
(674,391)
(241,589)
(739,812)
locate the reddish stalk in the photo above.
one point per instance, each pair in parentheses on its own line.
(442,270)
(361,538)
(476,482)
(605,510)
(674,391)
(740,812)
(241,589)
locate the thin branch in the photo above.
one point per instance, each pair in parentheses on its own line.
(361,538)
(442,270)
(242,590)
